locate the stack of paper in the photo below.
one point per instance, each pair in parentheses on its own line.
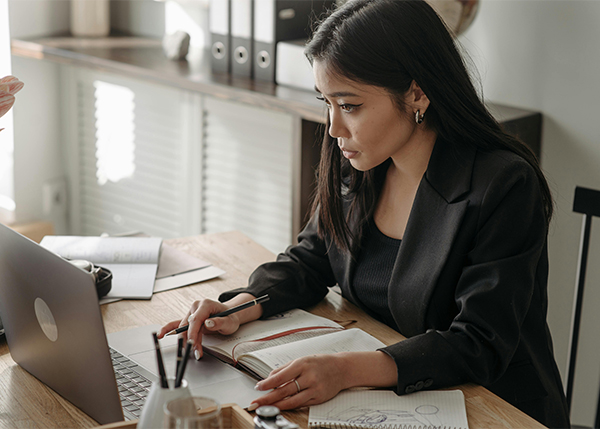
(139,264)
(133,261)
(177,268)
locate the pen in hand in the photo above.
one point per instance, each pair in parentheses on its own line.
(232,310)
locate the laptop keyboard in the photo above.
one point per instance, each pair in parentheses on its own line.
(133,388)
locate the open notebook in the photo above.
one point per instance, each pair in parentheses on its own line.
(383,409)
(263,345)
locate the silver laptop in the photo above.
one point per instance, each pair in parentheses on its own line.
(53,325)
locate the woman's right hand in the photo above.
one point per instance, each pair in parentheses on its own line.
(200,322)
(198,318)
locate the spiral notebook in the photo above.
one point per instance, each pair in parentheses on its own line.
(383,409)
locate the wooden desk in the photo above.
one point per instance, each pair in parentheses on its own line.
(25,402)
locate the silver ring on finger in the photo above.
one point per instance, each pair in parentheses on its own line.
(190,318)
(297,386)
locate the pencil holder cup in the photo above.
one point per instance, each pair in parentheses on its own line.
(152,414)
(193,413)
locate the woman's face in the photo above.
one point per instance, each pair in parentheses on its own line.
(367,124)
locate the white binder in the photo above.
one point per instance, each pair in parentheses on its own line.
(293,68)
(241,37)
(220,35)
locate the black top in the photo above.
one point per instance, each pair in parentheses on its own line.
(373,272)
(468,288)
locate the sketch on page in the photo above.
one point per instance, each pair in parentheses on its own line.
(385,409)
(423,415)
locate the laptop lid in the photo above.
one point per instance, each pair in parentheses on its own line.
(53,325)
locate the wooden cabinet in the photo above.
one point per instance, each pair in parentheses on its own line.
(172,162)
(134,155)
(249,172)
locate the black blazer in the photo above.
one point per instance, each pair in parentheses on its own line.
(468,288)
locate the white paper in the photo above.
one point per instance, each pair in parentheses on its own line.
(262,362)
(385,409)
(174,262)
(187,278)
(132,260)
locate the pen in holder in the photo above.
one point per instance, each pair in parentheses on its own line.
(152,414)
(165,389)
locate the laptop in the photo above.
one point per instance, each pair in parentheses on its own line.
(53,326)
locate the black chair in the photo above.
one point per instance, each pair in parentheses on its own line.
(586,201)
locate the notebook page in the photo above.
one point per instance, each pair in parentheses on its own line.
(351,340)
(384,409)
(290,320)
(252,346)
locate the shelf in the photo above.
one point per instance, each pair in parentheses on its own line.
(143,58)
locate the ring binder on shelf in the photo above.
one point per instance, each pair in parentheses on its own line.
(220,35)
(293,68)
(279,20)
(241,37)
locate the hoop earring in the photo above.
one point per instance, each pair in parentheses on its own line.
(419,117)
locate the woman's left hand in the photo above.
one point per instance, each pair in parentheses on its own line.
(305,381)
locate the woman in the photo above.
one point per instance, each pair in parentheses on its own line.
(427,216)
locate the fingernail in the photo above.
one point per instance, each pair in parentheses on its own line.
(197,354)
(209,323)
(257,386)
(252,407)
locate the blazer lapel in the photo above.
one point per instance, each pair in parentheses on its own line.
(433,224)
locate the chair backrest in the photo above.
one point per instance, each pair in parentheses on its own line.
(587,202)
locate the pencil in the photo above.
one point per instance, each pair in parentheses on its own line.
(225,313)
(161,367)
(181,369)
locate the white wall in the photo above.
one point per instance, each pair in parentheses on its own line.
(37,133)
(155,19)
(138,17)
(6,137)
(35,18)
(38,156)
(544,55)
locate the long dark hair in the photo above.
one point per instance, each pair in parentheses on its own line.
(388,44)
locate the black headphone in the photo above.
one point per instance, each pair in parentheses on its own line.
(102,276)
